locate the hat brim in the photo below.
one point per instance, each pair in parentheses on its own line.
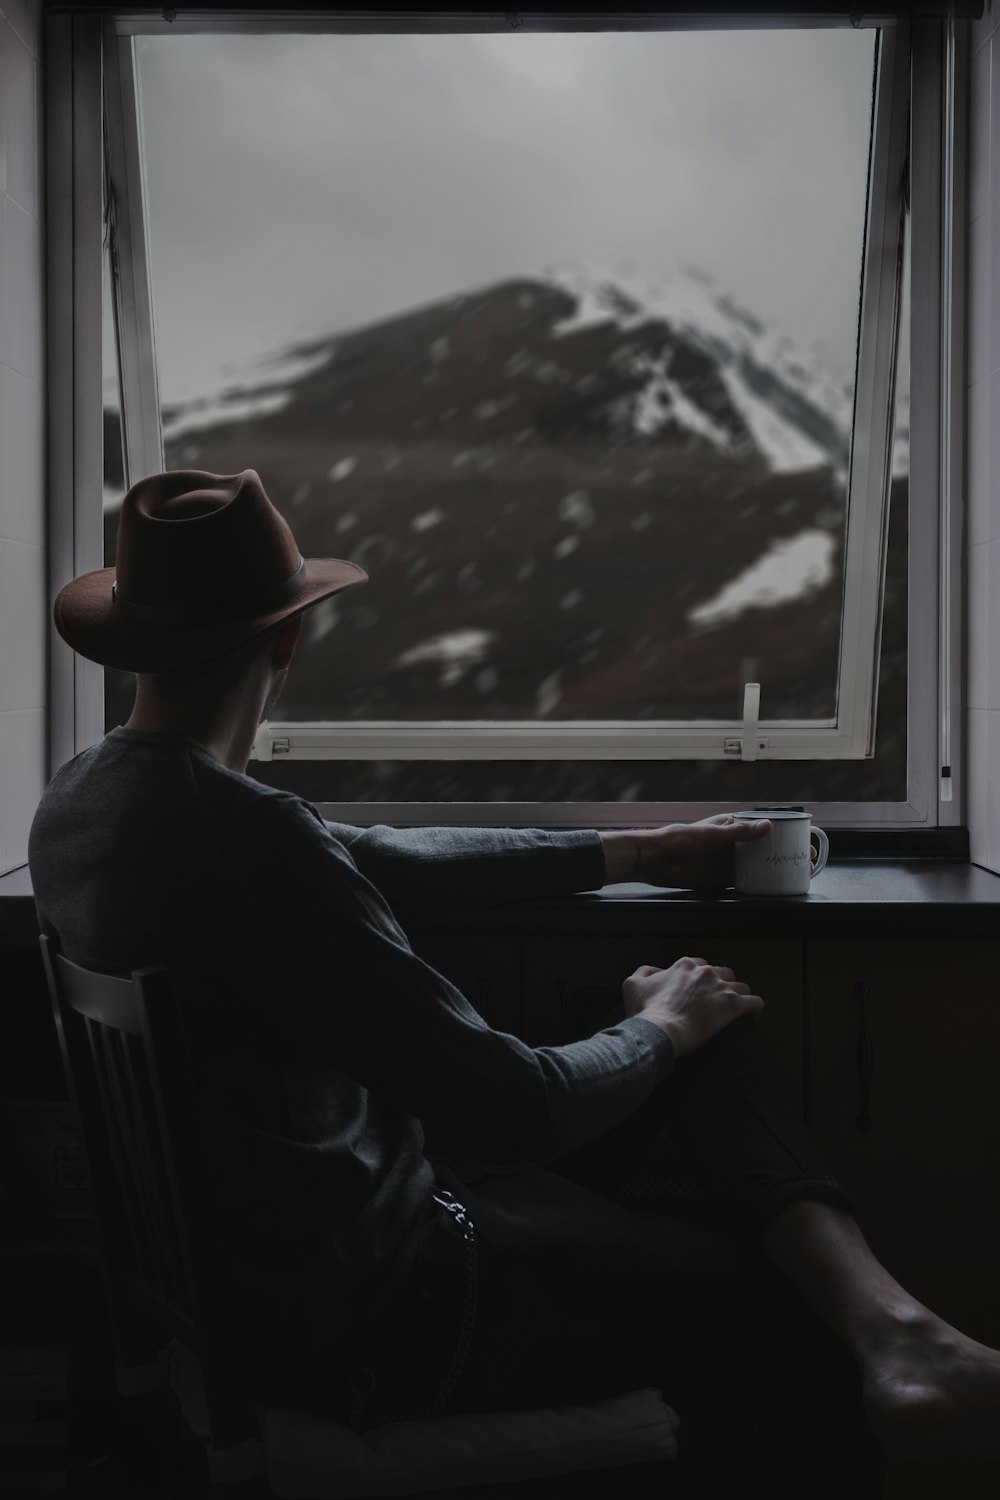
(89,620)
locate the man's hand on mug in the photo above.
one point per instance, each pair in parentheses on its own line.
(690,1001)
(689,856)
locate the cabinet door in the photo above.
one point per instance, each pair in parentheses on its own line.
(772,968)
(485,969)
(570,986)
(903,1093)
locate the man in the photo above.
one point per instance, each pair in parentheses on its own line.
(420,1211)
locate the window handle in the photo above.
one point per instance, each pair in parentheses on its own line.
(865,1055)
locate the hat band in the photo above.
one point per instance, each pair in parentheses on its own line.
(214,613)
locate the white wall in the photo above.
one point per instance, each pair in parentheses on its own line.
(23,580)
(983,443)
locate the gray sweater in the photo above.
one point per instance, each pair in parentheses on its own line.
(336,1063)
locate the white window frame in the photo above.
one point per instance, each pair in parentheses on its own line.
(935,580)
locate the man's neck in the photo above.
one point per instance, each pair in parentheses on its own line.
(228,737)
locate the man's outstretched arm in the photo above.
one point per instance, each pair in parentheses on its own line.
(456,867)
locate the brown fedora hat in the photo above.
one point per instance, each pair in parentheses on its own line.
(204,562)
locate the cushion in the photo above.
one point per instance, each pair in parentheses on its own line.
(310,1457)
(316,1458)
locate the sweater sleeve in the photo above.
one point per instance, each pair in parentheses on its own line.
(470,867)
(355,996)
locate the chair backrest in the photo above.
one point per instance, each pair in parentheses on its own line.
(131,1080)
(126,1068)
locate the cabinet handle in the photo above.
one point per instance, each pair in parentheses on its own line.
(865,1055)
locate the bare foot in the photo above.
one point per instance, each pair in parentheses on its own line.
(930,1389)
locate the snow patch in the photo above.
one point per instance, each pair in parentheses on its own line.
(492,407)
(427,519)
(598,301)
(456,651)
(257,395)
(547,695)
(239,407)
(786,448)
(321,619)
(578,507)
(794,568)
(664,400)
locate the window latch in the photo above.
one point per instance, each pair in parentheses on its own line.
(266,745)
(750,742)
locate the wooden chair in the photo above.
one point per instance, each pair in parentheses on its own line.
(125,1053)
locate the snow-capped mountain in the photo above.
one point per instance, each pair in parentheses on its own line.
(767,398)
(797,411)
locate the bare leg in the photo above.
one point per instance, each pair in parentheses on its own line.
(927,1387)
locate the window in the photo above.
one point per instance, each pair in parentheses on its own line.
(612,486)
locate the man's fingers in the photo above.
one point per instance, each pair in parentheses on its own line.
(750,1005)
(742,829)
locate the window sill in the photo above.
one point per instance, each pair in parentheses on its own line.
(851,898)
(916,897)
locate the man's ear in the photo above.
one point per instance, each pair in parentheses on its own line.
(285,641)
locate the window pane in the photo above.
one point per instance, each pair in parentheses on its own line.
(554,334)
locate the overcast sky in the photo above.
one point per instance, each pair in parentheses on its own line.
(303,184)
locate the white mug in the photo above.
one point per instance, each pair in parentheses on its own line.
(780,863)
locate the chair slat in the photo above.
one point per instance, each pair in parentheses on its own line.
(152,1171)
(100,1051)
(104,998)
